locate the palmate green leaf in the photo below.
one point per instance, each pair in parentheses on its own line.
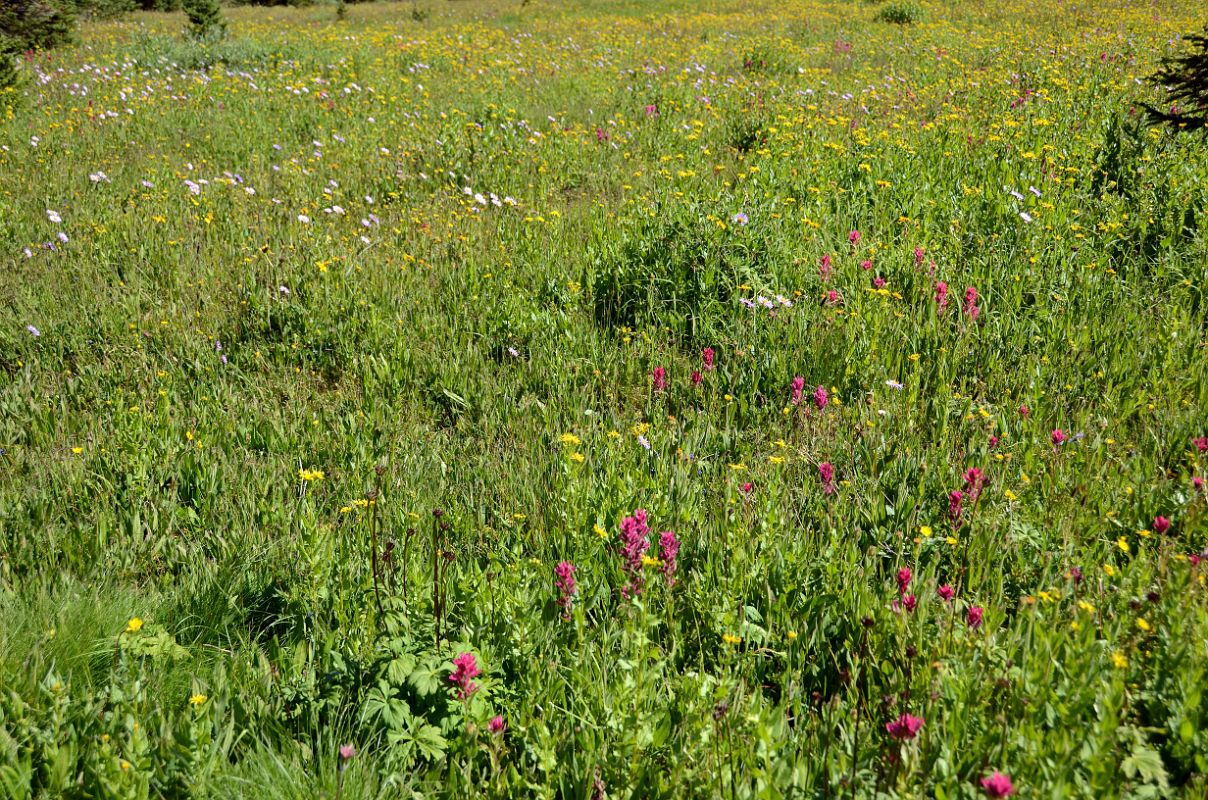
(1147,763)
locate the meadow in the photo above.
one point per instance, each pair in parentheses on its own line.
(602,399)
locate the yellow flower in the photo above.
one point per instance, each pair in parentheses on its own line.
(570,439)
(1120,660)
(134,625)
(1010,495)
(1143,534)
(776,459)
(1109,570)
(577,457)
(792,636)
(648,561)
(951,540)
(730,638)
(925,530)
(197,700)
(1087,607)
(1122,543)
(603,534)
(77,450)
(1143,624)
(125,765)
(739,467)
(309,475)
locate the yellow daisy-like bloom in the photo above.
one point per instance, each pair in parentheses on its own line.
(1120,660)
(1143,624)
(578,457)
(570,439)
(1109,570)
(197,700)
(309,475)
(603,534)
(1122,543)
(730,638)
(925,530)
(134,625)
(648,561)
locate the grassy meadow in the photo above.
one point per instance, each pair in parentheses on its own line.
(602,399)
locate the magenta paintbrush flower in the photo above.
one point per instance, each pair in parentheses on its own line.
(465,668)
(946,592)
(564,582)
(998,785)
(659,377)
(821,398)
(634,544)
(826,473)
(974,616)
(798,386)
(1160,525)
(904,727)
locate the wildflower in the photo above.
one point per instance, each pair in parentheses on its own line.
(824,267)
(827,474)
(1119,660)
(925,530)
(634,545)
(748,487)
(798,387)
(946,592)
(821,398)
(854,238)
(866,264)
(833,298)
(941,296)
(730,638)
(878,282)
(975,479)
(496,726)
(668,550)
(740,219)
(971,310)
(993,442)
(465,668)
(974,616)
(1076,575)
(1201,443)
(660,379)
(347,753)
(1160,525)
(955,498)
(997,785)
(1058,436)
(904,576)
(197,700)
(1144,625)
(906,726)
(570,439)
(918,256)
(1198,483)
(564,582)
(310,475)
(33,331)
(696,378)
(910,602)
(897,387)
(706,357)
(134,625)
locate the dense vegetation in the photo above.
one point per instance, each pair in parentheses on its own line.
(725,399)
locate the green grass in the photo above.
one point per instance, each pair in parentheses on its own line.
(190,608)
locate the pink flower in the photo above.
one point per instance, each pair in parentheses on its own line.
(971,309)
(918,256)
(974,616)
(798,387)
(997,785)
(906,726)
(910,602)
(824,267)
(854,238)
(827,473)
(660,379)
(1201,443)
(1024,412)
(904,576)
(833,298)
(955,498)
(347,753)
(1058,436)
(601,136)
(975,479)
(634,545)
(696,378)
(821,398)
(941,296)
(464,669)
(946,592)
(866,265)
(1160,525)
(747,488)
(668,550)
(496,725)
(651,110)
(564,582)
(706,356)
(1198,483)
(993,442)
(878,282)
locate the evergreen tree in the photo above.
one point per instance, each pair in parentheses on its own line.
(1185,78)
(35,24)
(205,18)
